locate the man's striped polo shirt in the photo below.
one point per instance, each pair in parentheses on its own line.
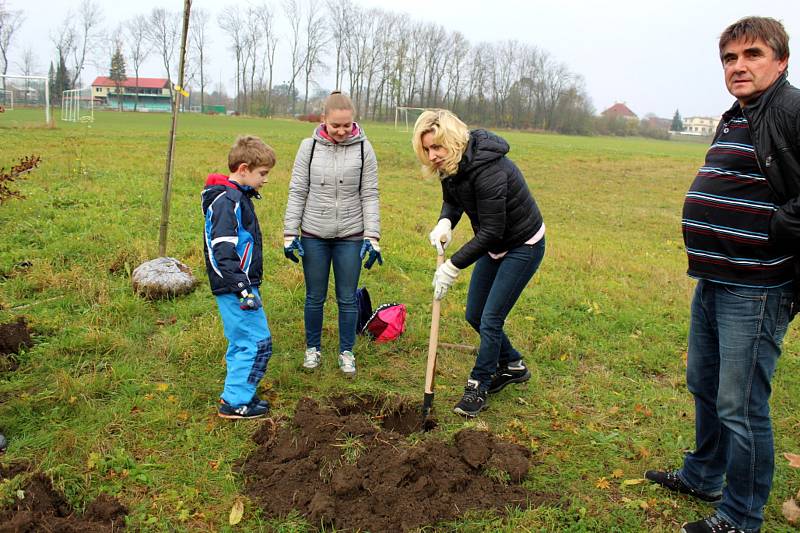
(726,216)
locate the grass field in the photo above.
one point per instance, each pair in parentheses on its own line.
(118,394)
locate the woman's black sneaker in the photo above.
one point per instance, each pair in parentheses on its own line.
(515,372)
(474,400)
(672,481)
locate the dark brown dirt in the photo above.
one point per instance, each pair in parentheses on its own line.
(45,509)
(349,466)
(13,337)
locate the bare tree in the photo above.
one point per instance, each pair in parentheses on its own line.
(10,21)
(163,32)
(295,16)
(199,40)
(28,65)
(339,14)
(139,47)
(230,21)
(316,40)
(266,18)
(86,36)
(459,47)
(252,47)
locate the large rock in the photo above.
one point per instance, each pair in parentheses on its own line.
(163,277)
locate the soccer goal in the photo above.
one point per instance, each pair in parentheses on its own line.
(77,105)
(24,100)
(402,118)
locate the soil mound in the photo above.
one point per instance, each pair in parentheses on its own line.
(349,466)
(42,508)
(13,337)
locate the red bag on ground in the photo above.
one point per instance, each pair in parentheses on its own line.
(386,323)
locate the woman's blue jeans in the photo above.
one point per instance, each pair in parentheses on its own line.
(318,256)
(735,340)
(494,288)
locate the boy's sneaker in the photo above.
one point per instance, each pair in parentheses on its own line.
(347,363)
(254,409)
(712,524)
(671,481)
(259,401)
(311,359)
(474,400)
(515,372)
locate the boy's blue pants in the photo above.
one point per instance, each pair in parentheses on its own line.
(249,348)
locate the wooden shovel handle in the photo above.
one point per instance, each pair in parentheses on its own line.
(433,340)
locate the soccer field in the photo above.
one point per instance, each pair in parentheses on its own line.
(118,394)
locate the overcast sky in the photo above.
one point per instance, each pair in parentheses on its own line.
(654,56)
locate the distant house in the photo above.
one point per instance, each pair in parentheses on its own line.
(619,109)
(154,93)
(658,123)
(705,126)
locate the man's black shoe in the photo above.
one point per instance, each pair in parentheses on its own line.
(712,524)
(671,481)
(474,400)
(515,372)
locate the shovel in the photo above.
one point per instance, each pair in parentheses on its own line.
(430,370)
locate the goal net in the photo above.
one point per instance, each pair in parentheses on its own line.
(77,105)
(405,117)
(24,100)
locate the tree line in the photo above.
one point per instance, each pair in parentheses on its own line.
(381,58)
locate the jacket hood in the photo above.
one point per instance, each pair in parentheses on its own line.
(221,180)
(356,135)
(483,147)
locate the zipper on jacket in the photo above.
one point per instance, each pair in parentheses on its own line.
(753,137)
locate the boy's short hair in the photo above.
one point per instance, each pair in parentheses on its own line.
(252,151)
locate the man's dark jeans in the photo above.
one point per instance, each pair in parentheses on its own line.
(494,288)
(735,340)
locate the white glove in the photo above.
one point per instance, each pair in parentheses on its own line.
(443,278)
(374,244)
(287,241)
(441,235)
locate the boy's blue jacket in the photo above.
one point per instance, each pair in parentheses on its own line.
(232,236)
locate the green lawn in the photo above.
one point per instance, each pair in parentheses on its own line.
(117,397)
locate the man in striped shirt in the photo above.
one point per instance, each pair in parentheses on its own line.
(741,205)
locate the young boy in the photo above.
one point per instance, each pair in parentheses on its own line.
(234,265)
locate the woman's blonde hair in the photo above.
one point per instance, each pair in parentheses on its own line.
(337,100)
(449,132)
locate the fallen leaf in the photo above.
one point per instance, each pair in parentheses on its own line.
(237,511)
(793,458)
(616,474)
(644,453)
(791,511)
(614,410)
(21,494)
(161,387)
(602,483)
(72,399)
(633,481)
